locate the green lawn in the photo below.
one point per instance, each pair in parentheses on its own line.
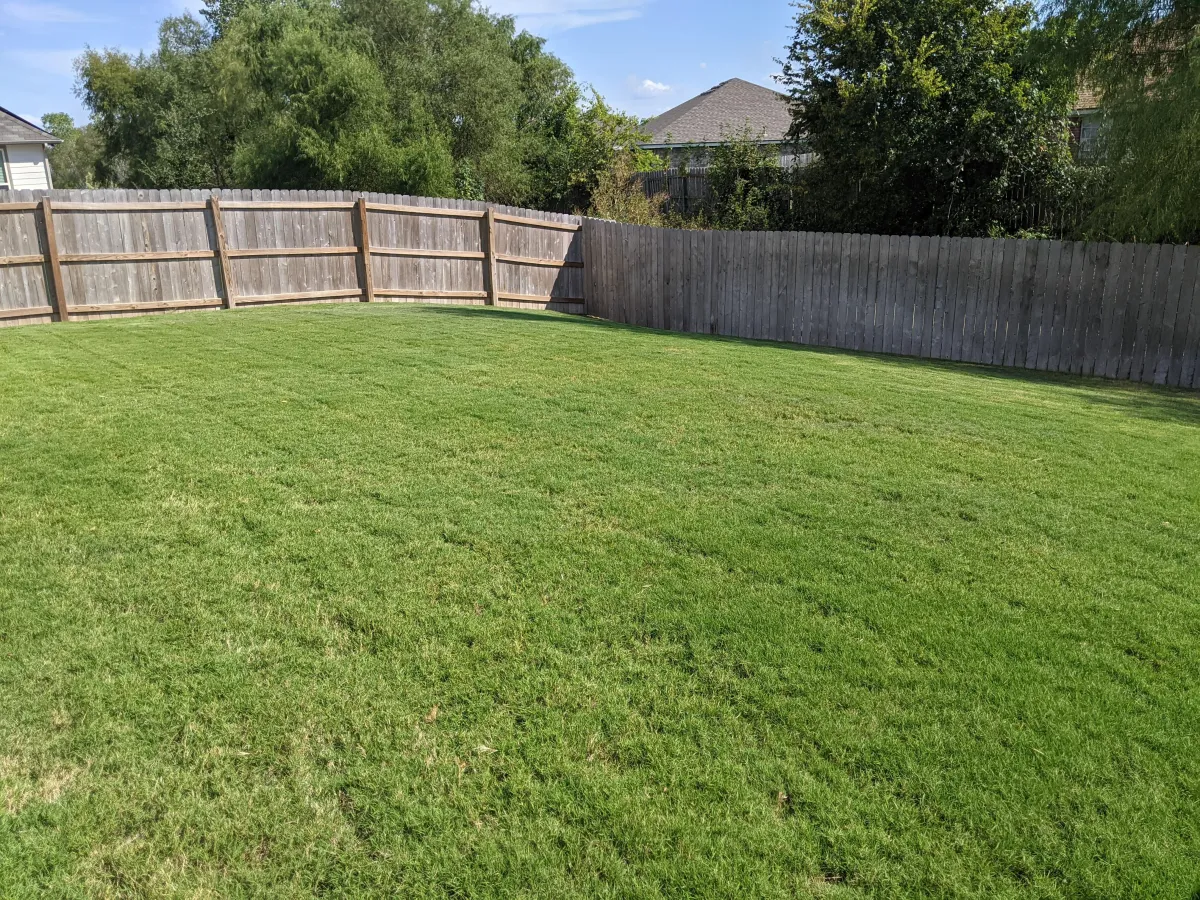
(432,602)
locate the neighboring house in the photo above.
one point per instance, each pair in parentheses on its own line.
(1086,119)
(24,164)
(693,128)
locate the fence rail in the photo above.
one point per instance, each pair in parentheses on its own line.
(686,191)
(91,254)
(1126,311)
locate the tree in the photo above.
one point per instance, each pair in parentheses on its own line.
(582,145)
(412,96)
(74,161)
(620,195)
(747,185)
(1144,58)
(506,107)
(312,110)
(158,117)
(219,13)
(923,114)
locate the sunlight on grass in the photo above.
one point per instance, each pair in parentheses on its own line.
(367,601)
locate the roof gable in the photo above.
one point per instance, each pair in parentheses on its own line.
(15,130)
(723,110)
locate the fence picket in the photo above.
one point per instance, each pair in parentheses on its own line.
(969,294)
(960,263)
(994,258)
(909,247)
(1189,375)
(1118,268)
(1166,332)
(1123,311)
(866,323)
(1041,329)
(1154,288)
(1070,270)
(1186,321)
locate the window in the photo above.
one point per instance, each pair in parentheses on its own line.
(1089,136)
(3,169)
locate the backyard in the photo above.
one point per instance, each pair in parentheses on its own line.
(453,602)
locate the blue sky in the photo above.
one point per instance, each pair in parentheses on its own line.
(644,56)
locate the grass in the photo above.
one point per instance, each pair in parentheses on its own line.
(434,602)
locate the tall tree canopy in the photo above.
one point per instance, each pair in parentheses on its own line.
(74,160)
(924,114)
(1143,56)
(413,96)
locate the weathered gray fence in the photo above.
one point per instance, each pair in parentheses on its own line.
(89,254)
(686,191)
(1127,311)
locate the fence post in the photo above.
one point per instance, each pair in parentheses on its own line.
(585,235)
(52,262)
(490,251)
(214,209)
(364,243)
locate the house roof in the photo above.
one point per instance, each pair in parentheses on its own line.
(15,130)
(1087,98)
(722,110)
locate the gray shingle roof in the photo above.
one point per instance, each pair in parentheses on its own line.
(727,108)
(15,130)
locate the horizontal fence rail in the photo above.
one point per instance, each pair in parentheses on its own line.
(91,254)
(1124,311)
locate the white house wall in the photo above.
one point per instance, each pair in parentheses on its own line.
(27,167)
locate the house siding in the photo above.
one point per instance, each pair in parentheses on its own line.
(27,167)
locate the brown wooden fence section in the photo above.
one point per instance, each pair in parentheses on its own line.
(77,255)
(1127,311)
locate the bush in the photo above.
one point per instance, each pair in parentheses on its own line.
(749,188)
(620,194)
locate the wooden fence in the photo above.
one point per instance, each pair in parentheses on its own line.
(686,191)
(75,255)
(1127,311)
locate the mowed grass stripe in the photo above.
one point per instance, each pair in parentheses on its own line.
(427,601)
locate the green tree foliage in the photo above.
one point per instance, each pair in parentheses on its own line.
(219,13)
(924,114)
(311,108)
(412,96)
(74,161)
(620,193)
(449,67)
(158,115)
(581,142)
(748,187)
(1144,58)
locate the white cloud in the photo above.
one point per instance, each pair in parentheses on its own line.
(561,15)
(648,88)
(37,13)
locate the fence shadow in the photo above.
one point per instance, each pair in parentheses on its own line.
(1146,401)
